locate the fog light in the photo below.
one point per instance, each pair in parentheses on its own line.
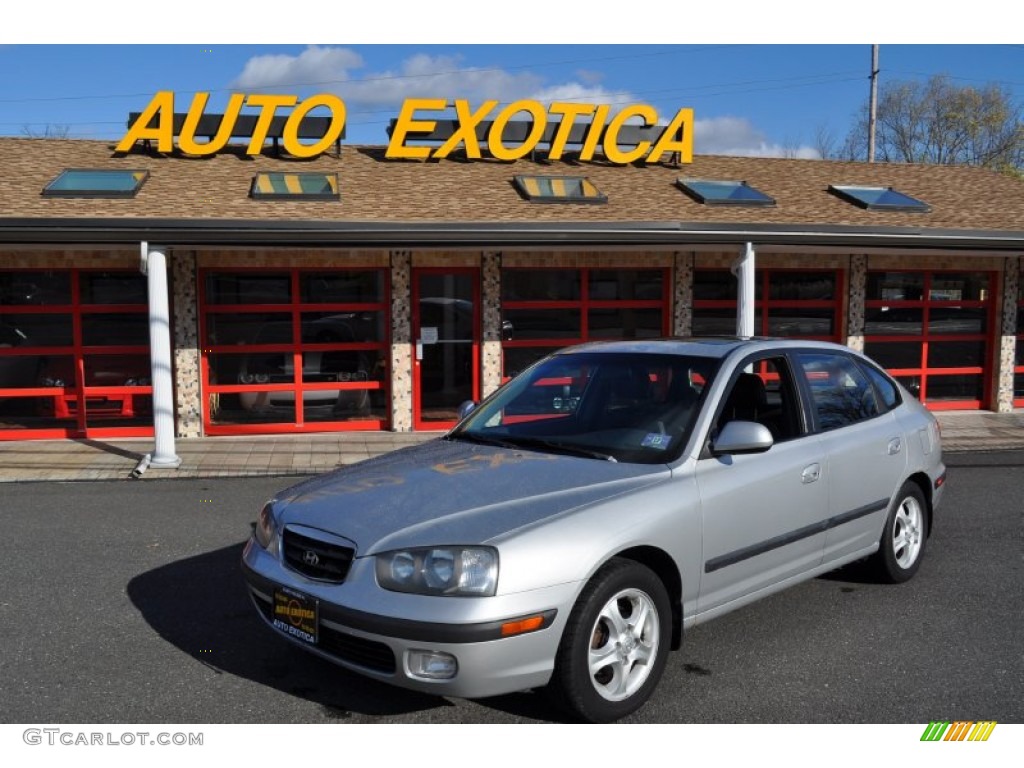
(432,665)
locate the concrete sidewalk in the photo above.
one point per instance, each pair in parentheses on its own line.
(62,460)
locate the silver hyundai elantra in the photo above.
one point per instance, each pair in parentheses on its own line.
(572,527)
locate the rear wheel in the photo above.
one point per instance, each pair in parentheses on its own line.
(615,644)
(904,536)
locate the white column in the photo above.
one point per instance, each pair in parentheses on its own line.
(154,266)
(743,271)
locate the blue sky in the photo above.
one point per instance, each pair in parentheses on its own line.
(750,97)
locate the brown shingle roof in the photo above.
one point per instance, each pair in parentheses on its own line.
(374,189)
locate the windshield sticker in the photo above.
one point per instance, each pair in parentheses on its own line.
(656,440)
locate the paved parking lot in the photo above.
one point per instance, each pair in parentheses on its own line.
(122,602)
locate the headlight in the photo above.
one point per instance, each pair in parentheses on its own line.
(450,571)
(266,526)
(262,378)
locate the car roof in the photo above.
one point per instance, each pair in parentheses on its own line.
(699,346)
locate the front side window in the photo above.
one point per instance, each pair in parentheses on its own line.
(764,393)
(840,392)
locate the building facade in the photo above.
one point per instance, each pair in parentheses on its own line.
(351,291)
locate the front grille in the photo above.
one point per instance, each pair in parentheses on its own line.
(357,650)
(345,647)
(315,558)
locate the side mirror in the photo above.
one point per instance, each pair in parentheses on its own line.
(465,408)
(742,437)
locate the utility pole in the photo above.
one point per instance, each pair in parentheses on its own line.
(873,104)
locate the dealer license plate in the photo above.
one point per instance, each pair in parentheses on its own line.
(297,615)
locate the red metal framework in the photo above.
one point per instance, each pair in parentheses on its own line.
(304,389)
(76,389)
(930,342)
(776,316)
(586,305)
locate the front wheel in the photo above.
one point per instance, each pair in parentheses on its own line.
(904,536)
(615,645)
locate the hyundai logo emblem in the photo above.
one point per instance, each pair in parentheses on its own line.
(309,557)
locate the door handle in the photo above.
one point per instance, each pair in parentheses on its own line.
(895,446)
(810,474)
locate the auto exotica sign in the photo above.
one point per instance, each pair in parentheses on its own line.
(421,116)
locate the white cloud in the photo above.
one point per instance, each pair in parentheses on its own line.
(737,136)
(313,66)
(374,97)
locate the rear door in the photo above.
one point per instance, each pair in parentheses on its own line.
(865,454)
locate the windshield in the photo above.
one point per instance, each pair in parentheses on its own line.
(615,406)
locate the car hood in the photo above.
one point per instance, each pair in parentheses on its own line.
(448,492)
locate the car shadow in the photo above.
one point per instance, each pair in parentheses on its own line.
(200,605)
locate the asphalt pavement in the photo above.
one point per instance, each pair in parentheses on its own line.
(124,603)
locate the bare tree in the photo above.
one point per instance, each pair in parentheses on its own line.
(825,142)
(943,123)
(49,131)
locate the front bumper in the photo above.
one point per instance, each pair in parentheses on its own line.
(379,645)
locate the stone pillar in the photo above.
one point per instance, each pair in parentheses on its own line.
(401,341)
(490,299)
(858,277)
(188,384)
(682,294)
(1008,335)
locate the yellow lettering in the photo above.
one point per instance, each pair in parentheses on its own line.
(187,140)
(594,134)
(268,104)
(405,124)
(611,146)
(681,123)
(466,132)
(161,106)
(569,112)
(291,128)
(540,121)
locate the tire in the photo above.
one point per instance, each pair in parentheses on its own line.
(615,645)
(904,536)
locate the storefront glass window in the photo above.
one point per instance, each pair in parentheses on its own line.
(113,288)
(31,287)
(801,304)
(949,314)
(308,351)
(74,354)
(248,288)
(540,285)
(545,309)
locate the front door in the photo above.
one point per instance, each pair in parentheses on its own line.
(446,339)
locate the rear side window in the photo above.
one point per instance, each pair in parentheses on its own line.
(888,394)
(840,390)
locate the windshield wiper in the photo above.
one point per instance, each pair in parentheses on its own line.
(571,450)
(472,437)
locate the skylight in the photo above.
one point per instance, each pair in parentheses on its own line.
(717,192)
(559,189)
(295,186)
(879,198)
(94,182)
